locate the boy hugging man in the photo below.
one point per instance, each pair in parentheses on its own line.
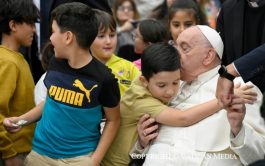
(149,94)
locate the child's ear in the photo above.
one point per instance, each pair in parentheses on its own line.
(143,80)
(12,25)
(69,37)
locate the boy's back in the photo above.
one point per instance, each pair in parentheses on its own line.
(144,97)
(135,102)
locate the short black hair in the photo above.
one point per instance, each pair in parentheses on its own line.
(159,57)
(79,19)
(21,11)
(153,31)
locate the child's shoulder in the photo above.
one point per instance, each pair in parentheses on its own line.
(94,69)
(10,56)
(99,66)
(116,60)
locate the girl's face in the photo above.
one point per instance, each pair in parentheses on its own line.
(181,20)
(104,45)
(139,44)
(125,11)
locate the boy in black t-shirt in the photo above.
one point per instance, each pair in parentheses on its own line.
(78,87)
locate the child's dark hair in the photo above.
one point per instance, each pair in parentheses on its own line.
(153,31)
(159,57)
(79,19)
(46,55)
(21,11)
(105,21)
(190,6)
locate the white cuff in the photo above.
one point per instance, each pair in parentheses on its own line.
(235,69)
(239,139)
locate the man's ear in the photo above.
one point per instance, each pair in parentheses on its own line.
(143,80)
(209,58)
(69,37)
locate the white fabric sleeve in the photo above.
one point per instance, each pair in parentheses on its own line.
(40,90)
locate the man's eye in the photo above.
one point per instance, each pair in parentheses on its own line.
(184,48)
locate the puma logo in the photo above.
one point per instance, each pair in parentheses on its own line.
(77,83)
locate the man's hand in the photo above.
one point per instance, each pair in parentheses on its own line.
(14,161)
(224,91)
(235,114)
(147,130)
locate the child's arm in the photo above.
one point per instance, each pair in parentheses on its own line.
(32,116)
(109,132)
(175,117)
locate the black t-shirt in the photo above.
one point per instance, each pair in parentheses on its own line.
(94,81)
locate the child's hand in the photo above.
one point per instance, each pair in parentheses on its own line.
(95,162)
(11,125)
(14,161)
(246,92)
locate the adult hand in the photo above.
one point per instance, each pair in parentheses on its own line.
(236,113)
(147,130)
(127,26)
(224,91)
(14,161)
(10,124)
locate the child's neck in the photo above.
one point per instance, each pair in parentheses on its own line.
(79,59)
(10,43)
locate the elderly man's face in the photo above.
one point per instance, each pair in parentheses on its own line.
(192,53)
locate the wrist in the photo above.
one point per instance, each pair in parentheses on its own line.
(225,74)
(142,145)
(231,70)
(219,105)
(95,160)
(235,130)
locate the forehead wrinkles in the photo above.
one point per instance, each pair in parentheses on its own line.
(189,36)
